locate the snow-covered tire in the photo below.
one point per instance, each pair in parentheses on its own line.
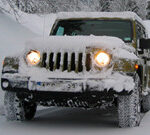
(146,103)
(17,109)
(129,107)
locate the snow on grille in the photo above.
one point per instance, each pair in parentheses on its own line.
(67,61)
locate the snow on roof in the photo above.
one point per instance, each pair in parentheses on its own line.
(123,15)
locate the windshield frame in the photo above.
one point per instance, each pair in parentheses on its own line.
(103,19)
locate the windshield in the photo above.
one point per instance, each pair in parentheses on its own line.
(116,28)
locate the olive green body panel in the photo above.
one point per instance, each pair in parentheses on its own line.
(11,65)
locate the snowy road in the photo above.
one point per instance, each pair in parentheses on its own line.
(54,121)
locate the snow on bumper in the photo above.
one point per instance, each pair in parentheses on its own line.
(116,82)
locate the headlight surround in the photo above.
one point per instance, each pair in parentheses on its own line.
(33,57)
(102,59)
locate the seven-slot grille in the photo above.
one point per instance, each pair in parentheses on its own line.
(77,62)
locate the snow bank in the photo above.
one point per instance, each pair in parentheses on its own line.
(1,110)
(39,24)
(12,37)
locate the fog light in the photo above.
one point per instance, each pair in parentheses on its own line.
(5,84)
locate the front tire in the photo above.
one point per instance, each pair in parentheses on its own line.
(17,109)
(129,107)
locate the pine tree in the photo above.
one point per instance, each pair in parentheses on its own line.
(148,10)
(137,6)
(53,6)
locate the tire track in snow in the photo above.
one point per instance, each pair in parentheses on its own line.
(47,111)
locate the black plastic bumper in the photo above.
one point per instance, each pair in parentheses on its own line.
(86,98)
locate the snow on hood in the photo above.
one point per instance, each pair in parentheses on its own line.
(79,44)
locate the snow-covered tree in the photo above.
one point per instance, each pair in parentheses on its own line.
(148,10)
(142,5)
(53,6)
(8,6)
(137,6)
(94,5)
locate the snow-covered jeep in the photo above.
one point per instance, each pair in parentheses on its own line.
(90,60)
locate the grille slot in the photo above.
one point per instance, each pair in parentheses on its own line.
(73,65)
(88,63)
(44,59)
(77,62)
(65,62)
(58,58)
(80,65)
(51,62)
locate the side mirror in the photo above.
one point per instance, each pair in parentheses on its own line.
(144,43)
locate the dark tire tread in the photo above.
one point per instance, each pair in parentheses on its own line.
(129,108)
(15,109)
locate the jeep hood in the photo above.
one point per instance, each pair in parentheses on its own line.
(80,43)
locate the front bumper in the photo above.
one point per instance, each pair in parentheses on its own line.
(86,93)
(17,82)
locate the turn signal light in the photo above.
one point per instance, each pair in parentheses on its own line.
(136,66)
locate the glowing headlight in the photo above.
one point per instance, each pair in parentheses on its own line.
(33,57)
(102,59)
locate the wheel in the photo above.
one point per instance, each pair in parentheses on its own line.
(17,109)
(146,103)
(129,107)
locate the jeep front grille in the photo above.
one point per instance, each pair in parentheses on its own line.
(77,62)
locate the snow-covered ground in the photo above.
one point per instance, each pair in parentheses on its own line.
(65,121)
(56,120)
